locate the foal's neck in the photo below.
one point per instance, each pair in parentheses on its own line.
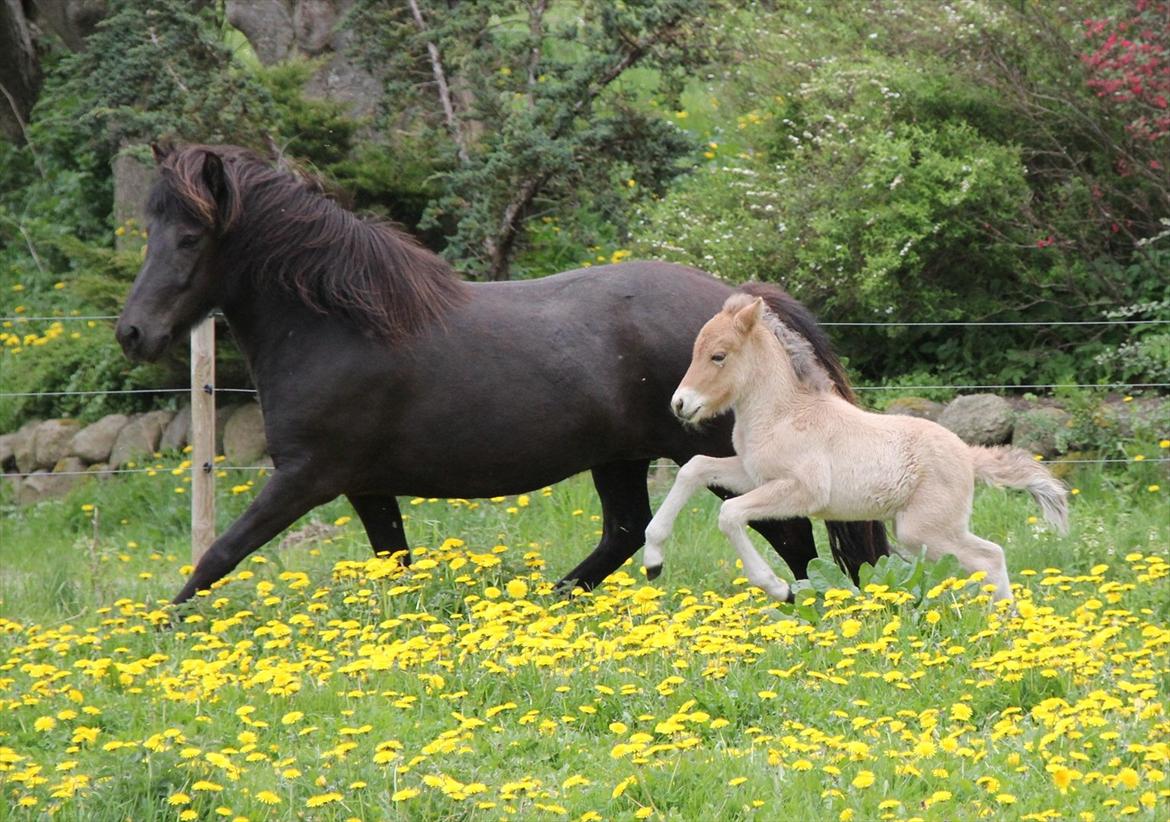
(774,390)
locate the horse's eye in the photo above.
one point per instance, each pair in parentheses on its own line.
(189,240)
(718,358)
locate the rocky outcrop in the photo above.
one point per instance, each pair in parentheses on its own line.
(283,29)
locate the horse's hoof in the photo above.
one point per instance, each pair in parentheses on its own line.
(652,573)
(567,588)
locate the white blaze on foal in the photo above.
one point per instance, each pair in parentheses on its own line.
(802,450)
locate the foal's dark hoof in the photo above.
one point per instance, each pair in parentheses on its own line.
(653,573)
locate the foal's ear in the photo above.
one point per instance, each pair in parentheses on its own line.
(746,318)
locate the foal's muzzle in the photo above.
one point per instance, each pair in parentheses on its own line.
(686,405)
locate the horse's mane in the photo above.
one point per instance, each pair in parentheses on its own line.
(806,361)
(278,223)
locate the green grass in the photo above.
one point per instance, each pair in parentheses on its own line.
(463,689)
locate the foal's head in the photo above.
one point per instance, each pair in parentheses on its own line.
(730,351)
(722,361)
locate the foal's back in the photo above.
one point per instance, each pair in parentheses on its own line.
(866,465)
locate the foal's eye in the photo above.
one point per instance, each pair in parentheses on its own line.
(718,358)
(189,240)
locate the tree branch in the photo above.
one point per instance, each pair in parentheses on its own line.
(444,88)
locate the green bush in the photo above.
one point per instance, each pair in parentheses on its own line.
(895,178)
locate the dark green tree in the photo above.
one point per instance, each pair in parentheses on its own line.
(542,107)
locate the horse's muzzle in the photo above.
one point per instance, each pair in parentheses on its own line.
(139,345)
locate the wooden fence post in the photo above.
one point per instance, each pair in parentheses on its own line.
(202,437)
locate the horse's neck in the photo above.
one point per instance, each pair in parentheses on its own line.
(269,325)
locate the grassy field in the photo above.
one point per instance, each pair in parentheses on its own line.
(321,683)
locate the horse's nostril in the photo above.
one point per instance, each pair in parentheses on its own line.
(128,335)
(678,404)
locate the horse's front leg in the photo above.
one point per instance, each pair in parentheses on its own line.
(699,473)
(383,523)
(775,499)
(286,497)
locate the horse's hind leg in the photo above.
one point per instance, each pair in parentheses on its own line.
(625,510)
(699,472)
(383,523)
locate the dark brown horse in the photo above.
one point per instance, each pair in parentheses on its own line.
(382,374)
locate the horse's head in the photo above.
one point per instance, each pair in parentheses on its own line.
(719,367)
(189,208)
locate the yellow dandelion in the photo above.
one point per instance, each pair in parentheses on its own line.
(620,787)
(863,779)
(323,799)
(268,798)
(404,794)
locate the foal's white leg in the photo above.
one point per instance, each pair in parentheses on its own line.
(778,499)
(698,473)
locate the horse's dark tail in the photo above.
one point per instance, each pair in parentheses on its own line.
(852,543)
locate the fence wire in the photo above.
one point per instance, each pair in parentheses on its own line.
(843,324)
(1116,386)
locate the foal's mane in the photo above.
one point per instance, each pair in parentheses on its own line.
(278,224)
(806,361)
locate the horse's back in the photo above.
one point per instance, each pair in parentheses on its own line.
(528,382)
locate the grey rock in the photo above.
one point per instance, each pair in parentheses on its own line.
(1038,430)
(223,415)
(140,437)
(178,431)
(52,441)
(100,470)
(7,452)
(95,442)
(243,436)
(979,419)
(283,29)
(22,447)
(915,407)
(45,485)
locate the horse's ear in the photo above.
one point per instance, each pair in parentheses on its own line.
(161,152)
(746,318)
(213,176)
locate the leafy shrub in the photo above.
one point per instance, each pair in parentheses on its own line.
(913,174)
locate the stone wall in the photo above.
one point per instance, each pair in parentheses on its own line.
(46,459)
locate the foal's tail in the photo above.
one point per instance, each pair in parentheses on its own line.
(852,543)
(1015,468)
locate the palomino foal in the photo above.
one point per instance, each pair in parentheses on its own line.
(804,451)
